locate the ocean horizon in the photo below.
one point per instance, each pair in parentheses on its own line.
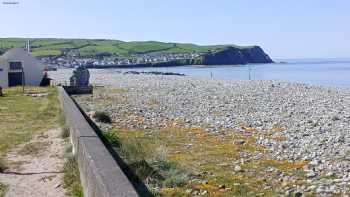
(333,72)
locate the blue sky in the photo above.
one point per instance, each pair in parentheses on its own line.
(285,29)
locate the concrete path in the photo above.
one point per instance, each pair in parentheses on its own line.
(34,172)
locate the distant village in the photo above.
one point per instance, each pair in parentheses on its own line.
(107,59)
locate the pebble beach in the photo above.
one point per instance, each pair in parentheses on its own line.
(310,123)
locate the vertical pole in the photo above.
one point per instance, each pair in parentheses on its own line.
(250,72)
(23,80)
(28,46)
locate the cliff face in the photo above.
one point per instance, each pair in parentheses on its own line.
(232,55)
(256,55)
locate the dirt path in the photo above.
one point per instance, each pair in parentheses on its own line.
(35,168)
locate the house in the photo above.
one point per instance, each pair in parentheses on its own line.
(18,67)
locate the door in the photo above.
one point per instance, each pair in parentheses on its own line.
(15,79)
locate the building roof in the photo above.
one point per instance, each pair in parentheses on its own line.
(32,68)
(14,52)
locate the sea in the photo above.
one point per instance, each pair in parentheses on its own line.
(324,72)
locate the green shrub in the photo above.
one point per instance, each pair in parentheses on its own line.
(132,151)
(143,170)
(113,139)
(102,117)
(173,174)
(175,180)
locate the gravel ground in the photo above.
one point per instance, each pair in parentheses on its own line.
(313,122)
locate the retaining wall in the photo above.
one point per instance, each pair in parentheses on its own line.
(100,174)
(78,89)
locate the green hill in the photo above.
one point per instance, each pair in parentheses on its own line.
(91,47)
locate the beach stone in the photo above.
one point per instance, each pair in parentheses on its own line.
(238,168)
(298,194)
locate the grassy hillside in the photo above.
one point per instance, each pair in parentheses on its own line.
(89,47)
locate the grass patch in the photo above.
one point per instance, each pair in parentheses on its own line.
(23,116)
(149,162)
(114,90)
(207,161)
(65,132)
(3,189)
(61,119)
(71,178)
(2,165)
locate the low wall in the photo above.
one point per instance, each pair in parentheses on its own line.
(78,89)
(100,174)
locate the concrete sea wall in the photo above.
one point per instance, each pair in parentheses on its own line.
(100,174)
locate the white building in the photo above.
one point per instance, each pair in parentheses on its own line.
(18,66)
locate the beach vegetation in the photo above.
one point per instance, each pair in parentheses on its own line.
(3,189)
(103,117)
(71,178)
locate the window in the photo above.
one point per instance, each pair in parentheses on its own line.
(15,65)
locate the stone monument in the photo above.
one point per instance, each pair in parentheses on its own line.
(80,77)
